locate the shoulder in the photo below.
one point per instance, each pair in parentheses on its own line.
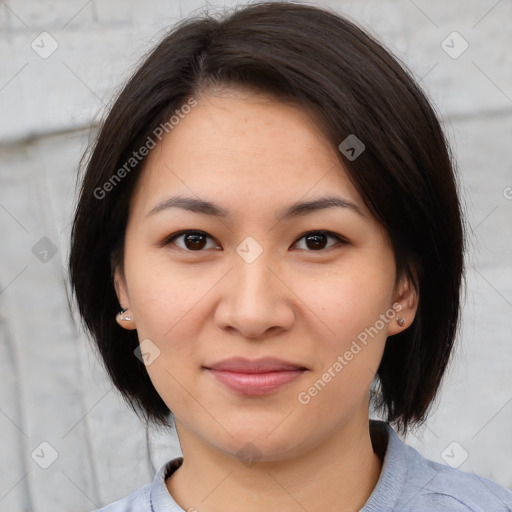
(410,482)
(137,501)
(153,497)
(434,486)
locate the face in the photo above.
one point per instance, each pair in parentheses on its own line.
(304,288)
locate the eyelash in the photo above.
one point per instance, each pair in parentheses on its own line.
(170,239)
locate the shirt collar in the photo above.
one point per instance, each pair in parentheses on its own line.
(161,500)
(393,474)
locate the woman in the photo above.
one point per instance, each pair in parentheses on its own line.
(268,240)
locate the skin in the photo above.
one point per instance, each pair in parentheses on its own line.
(253,156)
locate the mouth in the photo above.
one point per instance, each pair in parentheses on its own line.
(255,377)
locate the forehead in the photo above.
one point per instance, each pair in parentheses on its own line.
(244,147)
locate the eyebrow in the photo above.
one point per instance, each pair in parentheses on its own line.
(197,205)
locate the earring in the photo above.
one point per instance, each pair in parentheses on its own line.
(122,317)
(400,321)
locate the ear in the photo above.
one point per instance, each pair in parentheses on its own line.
(124,319)
(405,305)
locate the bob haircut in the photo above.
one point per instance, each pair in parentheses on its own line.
(350,85)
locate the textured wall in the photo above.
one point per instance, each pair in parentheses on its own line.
(60,62)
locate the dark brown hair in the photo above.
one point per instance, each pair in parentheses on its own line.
(350,84)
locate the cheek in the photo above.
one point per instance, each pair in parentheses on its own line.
(349,299)
(349,303)
(349,353)
(162,294)
(166,308)
(169,299)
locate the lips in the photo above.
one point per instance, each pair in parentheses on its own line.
(263,365)
(255,377)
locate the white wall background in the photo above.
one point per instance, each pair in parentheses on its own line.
(52,388)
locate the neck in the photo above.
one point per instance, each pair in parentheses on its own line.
(343,470)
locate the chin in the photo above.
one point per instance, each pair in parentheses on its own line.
(253,445)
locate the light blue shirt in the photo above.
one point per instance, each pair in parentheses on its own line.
(408,482)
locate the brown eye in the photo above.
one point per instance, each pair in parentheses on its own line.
(193,241)
(317,240)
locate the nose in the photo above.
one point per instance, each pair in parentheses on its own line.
(256,301)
